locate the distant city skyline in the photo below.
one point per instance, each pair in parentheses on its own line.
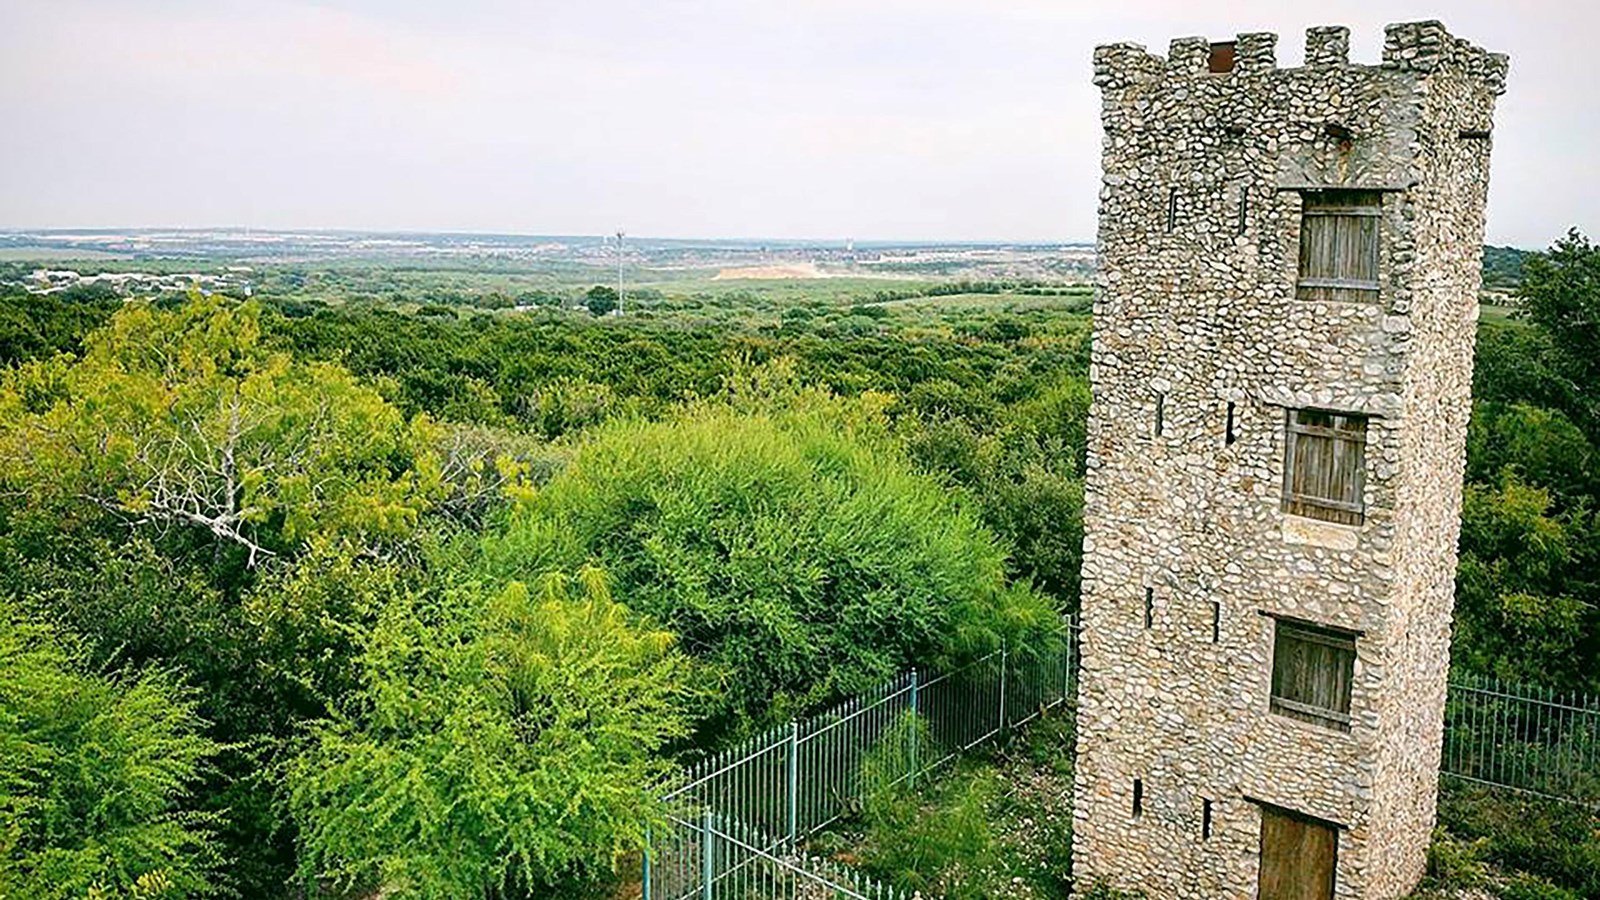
(912,120)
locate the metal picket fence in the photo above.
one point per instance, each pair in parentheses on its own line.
(739,819)
(1535,740)
(713,857)
(779,788)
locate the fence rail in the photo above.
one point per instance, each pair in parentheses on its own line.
(754,805)
(713,857)
(780,787)
(1535,740)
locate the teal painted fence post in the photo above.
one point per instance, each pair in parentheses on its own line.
(1066,668)
(1002,726)
(915,727)
(645,880)
(708,853)
(794,782)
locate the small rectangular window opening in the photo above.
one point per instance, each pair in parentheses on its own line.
(1138,797)
(1339,235)
(1228,435)
(1205,820)
(1222,57)
(1312,671)
(1243,205)
(1149,607)
(1324,471)
(1172,209)
(1216,621)
(1161,413)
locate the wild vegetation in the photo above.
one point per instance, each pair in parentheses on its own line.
(351,596)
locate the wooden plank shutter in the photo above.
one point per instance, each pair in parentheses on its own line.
(1339,245)
(1312,671)
(1297,857)
(1325,466)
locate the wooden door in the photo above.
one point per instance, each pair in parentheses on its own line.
(1297,856)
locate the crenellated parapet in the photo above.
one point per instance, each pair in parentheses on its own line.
(1328,46)
(1256,52)
(1118,65)
(1188,56)
(1429,46)
(1421,47)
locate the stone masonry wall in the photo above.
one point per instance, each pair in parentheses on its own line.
(1200,211)
(1441,301)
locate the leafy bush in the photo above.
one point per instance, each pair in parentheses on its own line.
(503,745)
(567,405)
(1027,474)
(1523,886)
(1455,864)
(784,537)
(95,774)
(938,841)
(1556,842)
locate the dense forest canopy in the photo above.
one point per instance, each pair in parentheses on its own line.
(266,565)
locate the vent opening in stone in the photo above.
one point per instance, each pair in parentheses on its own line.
(1222,57)
(1138,797)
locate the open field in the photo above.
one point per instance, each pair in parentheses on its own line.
(65,254)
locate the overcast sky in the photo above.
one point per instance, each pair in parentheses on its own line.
(924,119)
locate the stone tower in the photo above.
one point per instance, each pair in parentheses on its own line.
(1281,369)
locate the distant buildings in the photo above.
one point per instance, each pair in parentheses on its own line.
(50,281)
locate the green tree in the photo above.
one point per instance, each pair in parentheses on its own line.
(499,745)
(36,326)
(186,495)
(784,536)
(1561,294)
(95,776)
(1542,445)
(1521,587)
(186,420)
(600,299)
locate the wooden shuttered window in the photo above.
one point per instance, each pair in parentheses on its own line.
(1324,466)
(1311,673)
(1339,245)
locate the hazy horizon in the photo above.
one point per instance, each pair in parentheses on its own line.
(894,120)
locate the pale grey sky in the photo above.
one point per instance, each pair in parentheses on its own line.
(802,118)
